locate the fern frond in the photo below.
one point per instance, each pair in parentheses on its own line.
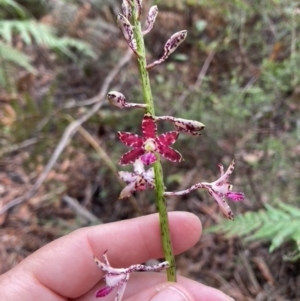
(275,224)
(11,4)
(31,31)
(10,54)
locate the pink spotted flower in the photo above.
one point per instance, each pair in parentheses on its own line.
(137,180)
(220,190)
(145,147)
(118,277)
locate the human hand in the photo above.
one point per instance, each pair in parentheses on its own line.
(65,270)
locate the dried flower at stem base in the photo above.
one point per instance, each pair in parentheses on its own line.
(137,180)
(117,99)
(175,40)
(152,14)
(192,127)
(118,278)
(127,31)
(219,190)
(145,147)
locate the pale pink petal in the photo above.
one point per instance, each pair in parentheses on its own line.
(127,176)
(121,288)
(104,291)
(167,139)
(138,167)
(131,156)
(149,127)
(149,176)
(148,158)
(224,177)
(127,191)
(222,204)
(130,139)
(169,153)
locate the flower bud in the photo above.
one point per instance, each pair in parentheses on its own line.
(174,41)
(126,9)
(117,99)
(192,127)
(127,31)
(152,14)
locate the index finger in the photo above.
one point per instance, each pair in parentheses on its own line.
(66,265)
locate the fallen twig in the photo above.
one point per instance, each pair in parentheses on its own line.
(80,210)
(69,132)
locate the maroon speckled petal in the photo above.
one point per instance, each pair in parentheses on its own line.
(169,153)
(130,139)
(149,127)
(104,291)
(131,156)
(167,139)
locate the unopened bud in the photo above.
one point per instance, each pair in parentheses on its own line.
(126,9)
(174,41)
(152,14)
(117,99)
(127,31)
(192,127)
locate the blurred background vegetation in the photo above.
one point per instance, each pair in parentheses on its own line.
(238,73)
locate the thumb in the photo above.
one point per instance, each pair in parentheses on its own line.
(163,292)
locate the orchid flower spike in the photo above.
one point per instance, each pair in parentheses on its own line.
(192,127)
(219,190)
(145,147)
(127,31)
(171,45)
(119,277)
(137,180)
(117,99)
(152,14)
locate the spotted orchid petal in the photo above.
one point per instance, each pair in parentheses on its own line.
(127,176)
(226,210)
(117,99)
(152,14)
(131,156)
(128,190)
(168,138)
(118,278)
(171,45)
(130,139)
(149,127)
(169,153)
(127,31)
(138,167)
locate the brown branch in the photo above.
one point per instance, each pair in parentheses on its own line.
(69,133)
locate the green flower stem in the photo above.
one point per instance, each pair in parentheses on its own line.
(159,182)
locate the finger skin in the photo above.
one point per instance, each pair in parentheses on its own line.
(143,286)
(66,265)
